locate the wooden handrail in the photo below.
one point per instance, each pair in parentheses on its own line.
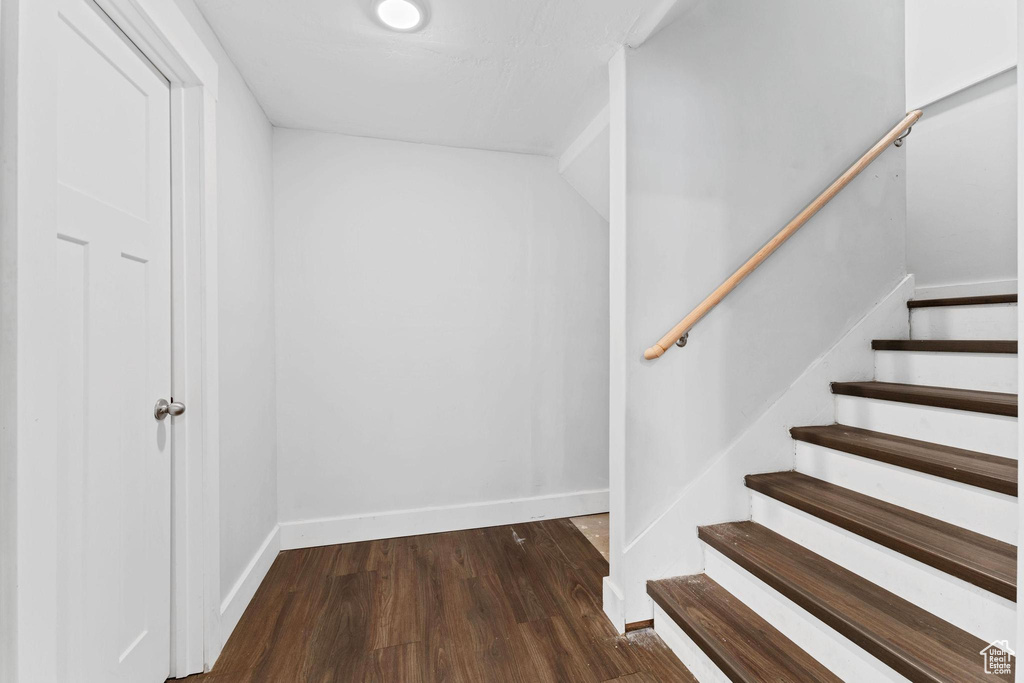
(715,298)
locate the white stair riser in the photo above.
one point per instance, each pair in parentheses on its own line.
(994,434)
(981,371)
(980,510)
(823,643)
(992,321)
(976,610)
(688,652)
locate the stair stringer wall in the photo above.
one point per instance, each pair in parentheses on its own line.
(669,546)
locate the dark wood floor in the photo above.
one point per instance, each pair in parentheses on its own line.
(510,603)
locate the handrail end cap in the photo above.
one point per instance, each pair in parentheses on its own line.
(654,352)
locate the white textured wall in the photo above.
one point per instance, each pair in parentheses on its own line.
(737,116)
(442,321)
(961,157)
(248,430)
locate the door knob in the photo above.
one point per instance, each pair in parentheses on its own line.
(162,409)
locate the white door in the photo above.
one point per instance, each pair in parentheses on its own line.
(112,255)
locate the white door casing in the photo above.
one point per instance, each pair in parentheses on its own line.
(112,251)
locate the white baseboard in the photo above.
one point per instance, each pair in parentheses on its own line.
(351,529)
(241,593)
(614,604)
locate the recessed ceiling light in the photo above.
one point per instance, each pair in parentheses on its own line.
(401,15)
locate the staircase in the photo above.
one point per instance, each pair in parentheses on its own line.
(888,554)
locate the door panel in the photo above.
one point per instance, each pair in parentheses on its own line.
(112,251)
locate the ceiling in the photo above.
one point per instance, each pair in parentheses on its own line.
(510,75)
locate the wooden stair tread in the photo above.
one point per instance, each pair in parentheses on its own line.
(986,471)
(743,645)
(915,643)
(947,345)
(964,301)
(980,560)
(990,402)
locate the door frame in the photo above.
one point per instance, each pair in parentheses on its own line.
(164,35)
(28,607)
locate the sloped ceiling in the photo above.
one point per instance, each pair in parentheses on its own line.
(510,75)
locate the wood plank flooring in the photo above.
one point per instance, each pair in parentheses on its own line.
(510,603)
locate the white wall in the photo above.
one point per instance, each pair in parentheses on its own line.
(737,116)
(585,163)
(961,157)
(953,44)
(442,339)
(8,348)
(29,447)
(248,426)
